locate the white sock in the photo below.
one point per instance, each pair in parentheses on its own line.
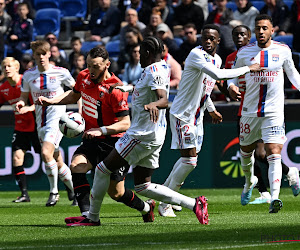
(274,174)
(164,194)
(179,175)
(247,160)
(52,173)
(100,187)
(176,165)
(65,175)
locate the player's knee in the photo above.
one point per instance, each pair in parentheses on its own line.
(114,194)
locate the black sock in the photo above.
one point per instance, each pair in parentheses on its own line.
(257,172)
(285,168)
(130,199)
(82,191)
(21,179)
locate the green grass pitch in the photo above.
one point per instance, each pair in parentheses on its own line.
(232,226)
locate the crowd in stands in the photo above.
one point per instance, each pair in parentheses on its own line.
(177,22)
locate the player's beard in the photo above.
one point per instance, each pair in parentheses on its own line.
(96,80)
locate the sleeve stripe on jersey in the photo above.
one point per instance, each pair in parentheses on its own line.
(122,113)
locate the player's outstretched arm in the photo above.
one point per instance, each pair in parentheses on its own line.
(68,97)
(154,107)
(22,101)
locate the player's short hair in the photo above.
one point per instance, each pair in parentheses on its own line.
(153,44)
(99,52)
(243,26)
(263,17)
(42,44)
(12,60)
(211,26)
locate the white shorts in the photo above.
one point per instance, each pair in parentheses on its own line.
(186,135)
(50,134)
(137,153)
(269,129)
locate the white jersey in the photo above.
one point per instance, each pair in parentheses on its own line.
(155,76)
(264,94)
(50,84)
(200,73)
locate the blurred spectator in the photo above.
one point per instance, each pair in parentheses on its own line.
(143,8)
(279,12)
(12,8)
(133,37)
(204,6)
(175,68)
(26,62)
(57,58)
(188,12)
(105,22)
(1,46)
(79,64)
(191,40)
(245,13)
(155,20)
(294,24)
(131,17)
(133,69)
(76,47)
(20,35)
(5,19)
(167,12)
(222,16)
(52,40)
(162,31)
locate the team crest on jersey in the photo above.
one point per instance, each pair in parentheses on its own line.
(275,58)
(52,79)
(206,57)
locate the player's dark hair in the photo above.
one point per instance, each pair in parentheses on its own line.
(211,26)
(242,26)
(263,17)
(153,44)
(98,52)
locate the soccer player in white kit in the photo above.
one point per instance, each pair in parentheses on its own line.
(48,80)
(141,144)
(201,70)
(263,106)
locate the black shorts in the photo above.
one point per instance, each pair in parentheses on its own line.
(24,141)
(96,150)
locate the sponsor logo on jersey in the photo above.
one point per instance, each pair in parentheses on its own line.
(5,91)
(275,58)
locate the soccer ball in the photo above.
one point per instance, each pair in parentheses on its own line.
(71,124)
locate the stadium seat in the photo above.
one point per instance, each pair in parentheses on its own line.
(258,4)
(113,48)
(46,20)
(178,40)
(288,3)
(288,40)
(87,46)
(231,5)
(72,10)
(42,4)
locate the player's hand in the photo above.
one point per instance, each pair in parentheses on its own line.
(92,133)
(234,92)
(19,106)
(127,88)
(216,117)
(43,101)
(25,109)
(255,67)
(153,110)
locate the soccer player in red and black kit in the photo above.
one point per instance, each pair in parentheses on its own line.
(25,134)
(106,114)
